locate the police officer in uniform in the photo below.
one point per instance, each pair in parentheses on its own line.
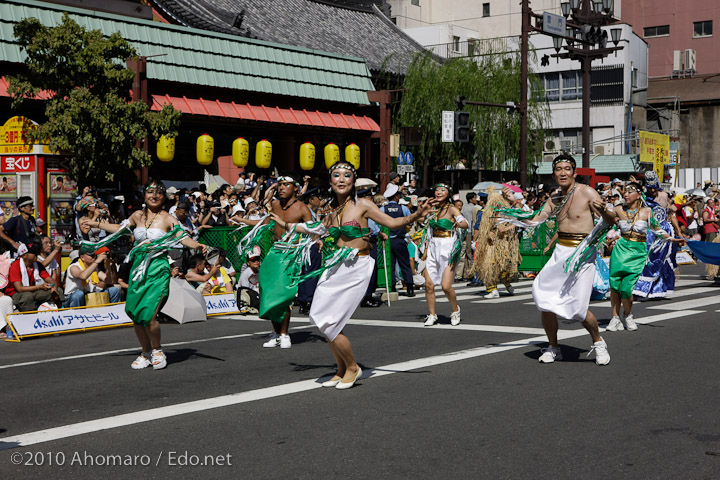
(398,247)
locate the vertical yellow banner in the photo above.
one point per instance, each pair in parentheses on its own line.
(655,149)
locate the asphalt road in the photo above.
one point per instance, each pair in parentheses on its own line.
(435,402)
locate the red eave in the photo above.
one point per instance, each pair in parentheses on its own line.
(43,95)
(264,113)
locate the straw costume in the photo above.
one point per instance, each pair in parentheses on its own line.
(497,255)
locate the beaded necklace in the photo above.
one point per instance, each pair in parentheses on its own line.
(288,205)
(559,207)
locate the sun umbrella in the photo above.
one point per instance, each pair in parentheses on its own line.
(514,188)
(184,304)
(485,186)
(696,192)
(365,183)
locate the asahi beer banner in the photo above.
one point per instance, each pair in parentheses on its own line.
(68,320)
(221,304)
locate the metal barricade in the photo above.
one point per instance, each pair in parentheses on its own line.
(532,243)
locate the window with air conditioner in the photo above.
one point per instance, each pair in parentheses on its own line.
(702,29)
(659,31)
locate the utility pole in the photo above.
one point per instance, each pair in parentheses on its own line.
(582,27)
(523,107)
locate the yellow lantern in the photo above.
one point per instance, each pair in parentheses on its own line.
(240,152)
(352,155)
(205,149)
(165,149)
(332,155)
(263,154)
(307,156)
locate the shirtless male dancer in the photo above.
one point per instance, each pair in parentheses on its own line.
(557,293)
(290,210)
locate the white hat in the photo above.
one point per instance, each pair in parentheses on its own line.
(196,194)
(237,208)
(403,201)
(248,201)
(172,190)
(74,255)
(391,190)
(456,197)
(240,185)
(518,195)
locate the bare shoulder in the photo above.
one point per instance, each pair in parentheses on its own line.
(588,192)
(136,216)
(365,202)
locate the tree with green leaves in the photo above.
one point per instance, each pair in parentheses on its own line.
(89,115)
(494,77)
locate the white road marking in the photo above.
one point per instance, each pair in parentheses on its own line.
(134,349)
(133,418)
(688,304)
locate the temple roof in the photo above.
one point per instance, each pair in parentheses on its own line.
(355,28)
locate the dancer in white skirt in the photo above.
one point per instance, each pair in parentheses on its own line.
(567,294)
(444,247)
(347,263)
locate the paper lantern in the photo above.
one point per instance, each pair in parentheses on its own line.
(352,155)
(240,152)
(205,149)
(307,156)
(165,149)
(332,155)
(263,154)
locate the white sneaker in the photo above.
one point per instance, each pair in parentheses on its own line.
(455,317)
(142,361)
(630,322)
(285,341)
(159,360)
(602,357)
(430,320)
(493,294)
(273,341)
(550,354)
(614,325)
(510,289)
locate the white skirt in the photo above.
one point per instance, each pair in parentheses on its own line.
(6,308)
(565,294)
(438,257)
(339,293)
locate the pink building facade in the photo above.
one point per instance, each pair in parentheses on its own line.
(670,25)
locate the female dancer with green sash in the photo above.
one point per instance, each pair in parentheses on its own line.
(347,265)
(443,249)
(629,255)
(155,231)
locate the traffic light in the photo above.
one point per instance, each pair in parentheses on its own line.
(590,33)
(462,127)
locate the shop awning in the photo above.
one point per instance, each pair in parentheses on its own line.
(603,164)
(263,113)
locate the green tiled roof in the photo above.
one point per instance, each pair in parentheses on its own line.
(601,163)
(200,57)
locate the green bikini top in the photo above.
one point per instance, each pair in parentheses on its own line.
(443,224)
(350,231)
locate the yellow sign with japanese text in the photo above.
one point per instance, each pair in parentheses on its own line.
(13,137)
(655,149)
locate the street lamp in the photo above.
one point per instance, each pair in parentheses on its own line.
(616,34)
(574,4)
(557,43)
(565,6)
(608,6)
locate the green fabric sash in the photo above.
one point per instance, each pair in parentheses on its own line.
(443,223)
(149,294)
(277,284)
